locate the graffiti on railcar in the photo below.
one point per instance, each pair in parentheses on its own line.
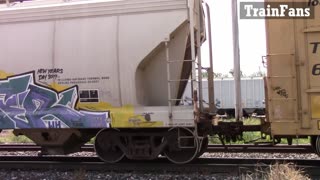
(25,104)
(281,91)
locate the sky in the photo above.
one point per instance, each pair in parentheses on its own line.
(251,40)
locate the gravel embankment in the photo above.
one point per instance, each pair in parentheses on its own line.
(93,175)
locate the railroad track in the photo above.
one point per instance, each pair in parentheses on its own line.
(33,147)
(211,148)
(227,166)
(261,148)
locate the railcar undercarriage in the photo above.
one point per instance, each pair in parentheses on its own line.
(58,141)
(179,144)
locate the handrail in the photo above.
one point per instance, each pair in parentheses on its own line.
(212,106)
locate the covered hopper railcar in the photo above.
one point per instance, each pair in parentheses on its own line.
(72,70)
(252,96)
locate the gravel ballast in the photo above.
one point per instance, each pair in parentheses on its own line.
(93,175)
(79,174)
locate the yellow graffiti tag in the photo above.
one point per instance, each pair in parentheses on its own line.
(121,117)
(58,87)
(4,75)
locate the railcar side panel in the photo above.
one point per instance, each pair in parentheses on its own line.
(293,75)
(90,64)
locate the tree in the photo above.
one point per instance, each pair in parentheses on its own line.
(204,74)
(217,75)
(232,73)
(258,74)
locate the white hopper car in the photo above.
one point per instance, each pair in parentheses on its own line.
(69,69)
(252,95)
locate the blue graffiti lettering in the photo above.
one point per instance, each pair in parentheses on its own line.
(24,104)
(54,124)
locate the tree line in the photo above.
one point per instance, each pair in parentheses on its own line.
(231,74)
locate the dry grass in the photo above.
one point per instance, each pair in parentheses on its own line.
(286,172)
(278,172)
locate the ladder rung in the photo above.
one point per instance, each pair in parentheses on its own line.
(282,99)
(178,80)
(175,100)
(281,76)
(174,61)
(281,54)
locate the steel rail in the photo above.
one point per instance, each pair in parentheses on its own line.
(33,147)
(211,148)
(261,148)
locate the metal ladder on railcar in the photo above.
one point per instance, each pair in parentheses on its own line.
(196,82)
(195,42)
(194,86)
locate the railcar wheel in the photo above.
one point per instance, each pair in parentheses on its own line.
(106,146)
(182,146)
(317,145)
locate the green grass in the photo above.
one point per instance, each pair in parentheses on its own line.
(20,139)
(9,137)
(296,141)
(251,121)
(91,141)
(251,137)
